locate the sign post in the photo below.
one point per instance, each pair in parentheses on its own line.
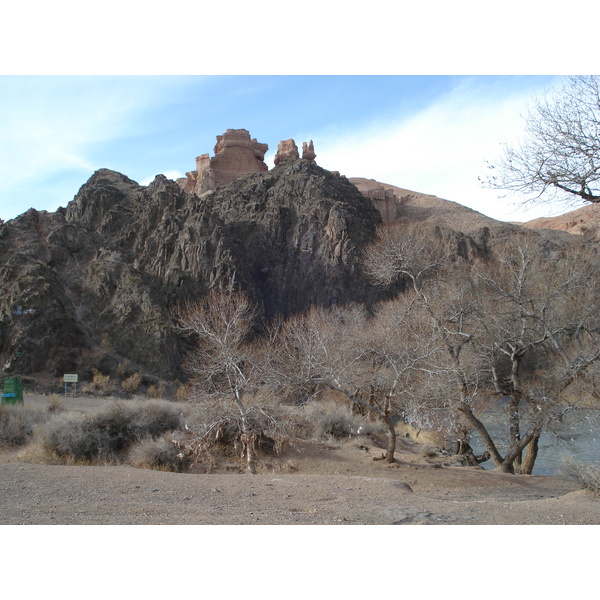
(13,391)
(71,378)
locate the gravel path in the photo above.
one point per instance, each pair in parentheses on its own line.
(314,484)
(49,494)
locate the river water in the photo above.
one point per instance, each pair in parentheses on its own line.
(577,436)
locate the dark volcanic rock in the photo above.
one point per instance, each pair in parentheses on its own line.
(93,284)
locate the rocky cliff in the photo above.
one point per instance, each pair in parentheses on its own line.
(235,154)
(92,285)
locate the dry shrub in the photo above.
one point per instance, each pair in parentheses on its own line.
(156,391)
(585,474)
(17,423)
(131,384)
(106,436)
(100,381)
(162,454)
(123,368)
(329,419)
(100,384)
(184,392)
(215,432)
(420,436)
(70,438)
(54,404)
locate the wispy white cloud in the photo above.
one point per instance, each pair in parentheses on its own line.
(441,149)
(50,126)
(55,131)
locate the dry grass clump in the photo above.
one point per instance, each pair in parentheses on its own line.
(100,384)
(132,383)
(585,474)
(17,423)
(54,404)
(157,391)
(328,420)
(184,392)
(123,368)
(105,436)
(162,454)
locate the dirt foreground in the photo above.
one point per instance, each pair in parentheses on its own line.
(322,484)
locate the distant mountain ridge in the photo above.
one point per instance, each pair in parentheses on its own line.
(582,221)
(396,204)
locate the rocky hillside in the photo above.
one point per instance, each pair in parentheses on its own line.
(583,221)
(472,233)
(94,285)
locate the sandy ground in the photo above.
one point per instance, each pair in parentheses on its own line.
(323,484)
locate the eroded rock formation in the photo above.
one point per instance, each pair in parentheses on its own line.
(286,150)
(582,221)
(385,199)
(235,154)
(308,151)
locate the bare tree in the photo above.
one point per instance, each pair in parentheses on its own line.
(405,252)
(559,157)
(517,329)
(542,327)
(224,362)
(333,348)
(442,309)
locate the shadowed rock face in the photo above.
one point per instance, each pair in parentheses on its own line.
(94,284)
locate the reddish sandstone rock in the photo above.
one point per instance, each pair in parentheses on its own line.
(582,221)
(235,154)
(287,149)
(308,151)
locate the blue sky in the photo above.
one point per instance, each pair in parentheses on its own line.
(397,96)
(430,134)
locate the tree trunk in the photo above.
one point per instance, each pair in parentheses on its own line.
(530,455)
(389,457)
(508,464)
(515,433)
(483,432)
(249,456)
(246,438)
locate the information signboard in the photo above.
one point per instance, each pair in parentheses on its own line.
(71,378)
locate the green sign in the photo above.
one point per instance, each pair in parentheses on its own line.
(71,378)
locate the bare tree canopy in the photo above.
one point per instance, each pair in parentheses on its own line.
(518,331)
(559,157)
(223,362)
